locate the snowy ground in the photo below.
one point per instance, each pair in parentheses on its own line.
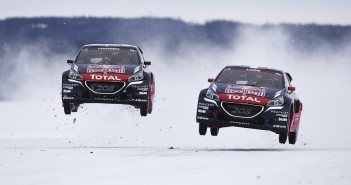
(50,161)
(114,145)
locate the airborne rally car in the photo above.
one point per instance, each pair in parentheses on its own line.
(258,98)
(115,74)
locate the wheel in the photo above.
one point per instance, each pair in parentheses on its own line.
(149,106)
(283,137)
(151,92)
(293,137)
(67,108)
(75,107)
(214,131)
(143,110)
(202,129)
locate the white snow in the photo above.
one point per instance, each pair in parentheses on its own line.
(112,144)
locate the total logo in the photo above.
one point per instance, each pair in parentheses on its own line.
(104,77)
(243,97)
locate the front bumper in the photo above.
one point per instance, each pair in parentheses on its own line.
(78,92)
(213,114)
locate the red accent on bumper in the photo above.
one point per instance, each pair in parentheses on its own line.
(240,98)
(106,77)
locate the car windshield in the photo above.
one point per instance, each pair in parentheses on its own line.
(251,77)
(108,56)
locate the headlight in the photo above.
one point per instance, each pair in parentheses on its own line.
(212,95)
(136,76)
(276,102)
(74,75)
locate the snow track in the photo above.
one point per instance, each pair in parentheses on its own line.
(61,161)
(96,146)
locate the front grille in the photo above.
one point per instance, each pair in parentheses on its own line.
(241,110)
(105,87)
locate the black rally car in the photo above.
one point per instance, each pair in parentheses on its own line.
(258,98)
(116,74)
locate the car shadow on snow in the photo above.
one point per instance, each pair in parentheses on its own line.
(261,149)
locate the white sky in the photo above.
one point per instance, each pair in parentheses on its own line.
(197,11)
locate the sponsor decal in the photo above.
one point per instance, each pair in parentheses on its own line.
(243,99)
(245,90)
(67,91)
(143,93)
(239,123)
(253,69)
(201,111)
(282,119)
(282,115)
(68,85)
(104,99)
(140,100)
(68,98)
(203,118)
(141,88)
(279,112)
(279,126)
(106,48)
(214,87)
(136,69)
(75,67)
(203,107)
(105,77)
(106,69)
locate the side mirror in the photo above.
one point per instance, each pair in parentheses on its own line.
(147,63)
(69,61)
(291,88)
(210,80)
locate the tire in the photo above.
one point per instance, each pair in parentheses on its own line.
(202,129)
(143,110)
(283,137)
(293,137)
(149,110)
(214,131)
(67,108)
(150,94)
(75,107)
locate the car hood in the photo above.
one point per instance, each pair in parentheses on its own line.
(245,94)
(106,72)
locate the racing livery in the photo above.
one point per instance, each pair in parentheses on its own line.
(257,98)
(115,74)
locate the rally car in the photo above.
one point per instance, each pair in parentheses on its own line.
(114,74)
(257,98)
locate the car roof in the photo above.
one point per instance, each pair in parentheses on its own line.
(111,45)
(250,67)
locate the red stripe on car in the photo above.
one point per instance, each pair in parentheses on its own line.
(240,98)
(106,78)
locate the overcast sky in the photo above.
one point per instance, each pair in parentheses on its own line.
(196,11)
